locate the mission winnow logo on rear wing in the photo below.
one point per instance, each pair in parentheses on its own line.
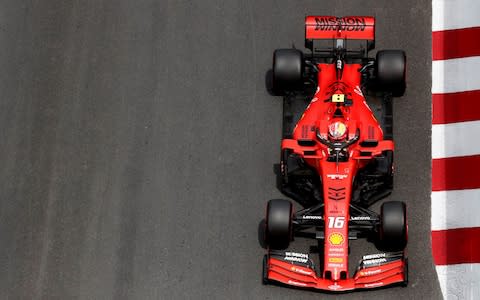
(345,23)
(331,27)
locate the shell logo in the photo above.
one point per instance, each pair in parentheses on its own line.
(336,239)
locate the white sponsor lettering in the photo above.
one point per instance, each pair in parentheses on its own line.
(375,261)
(312,217)
(296,254)
(332,249)
(336,176)
(359,218)
(332,265)
(296,283)
(368,285)
(334,287)
(378,255)
(297,259)
(301,271)
(335,254)
(368,273)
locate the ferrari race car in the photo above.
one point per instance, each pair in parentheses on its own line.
(337,160)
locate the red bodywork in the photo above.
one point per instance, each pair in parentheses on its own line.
(337,180)
(305,277)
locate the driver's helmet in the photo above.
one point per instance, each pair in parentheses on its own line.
(337,131)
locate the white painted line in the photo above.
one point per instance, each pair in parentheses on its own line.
(456,75)
(460,281)
(455,14)
(455,209)
(456,139)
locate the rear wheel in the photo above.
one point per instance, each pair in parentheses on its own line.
(393,226)
(278,229)
(390,71)
(287,68)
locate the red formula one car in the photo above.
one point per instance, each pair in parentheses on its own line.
(337,159)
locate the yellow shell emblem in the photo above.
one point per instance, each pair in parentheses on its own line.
(336,239)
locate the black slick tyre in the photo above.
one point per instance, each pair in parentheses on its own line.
(287,69)
(393,226)
(390,71)
(278,229)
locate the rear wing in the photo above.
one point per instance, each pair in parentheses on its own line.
(327,27)
(353,28)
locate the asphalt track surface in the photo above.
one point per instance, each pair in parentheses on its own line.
(137,145)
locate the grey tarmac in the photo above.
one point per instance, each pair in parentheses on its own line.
(137,145)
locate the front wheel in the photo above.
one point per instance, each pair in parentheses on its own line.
(278,229)
(393,233)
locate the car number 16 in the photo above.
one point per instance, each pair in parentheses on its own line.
(336,222)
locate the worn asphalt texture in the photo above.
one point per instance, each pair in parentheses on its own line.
(138,143)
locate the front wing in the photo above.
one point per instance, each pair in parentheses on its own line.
(298,270)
